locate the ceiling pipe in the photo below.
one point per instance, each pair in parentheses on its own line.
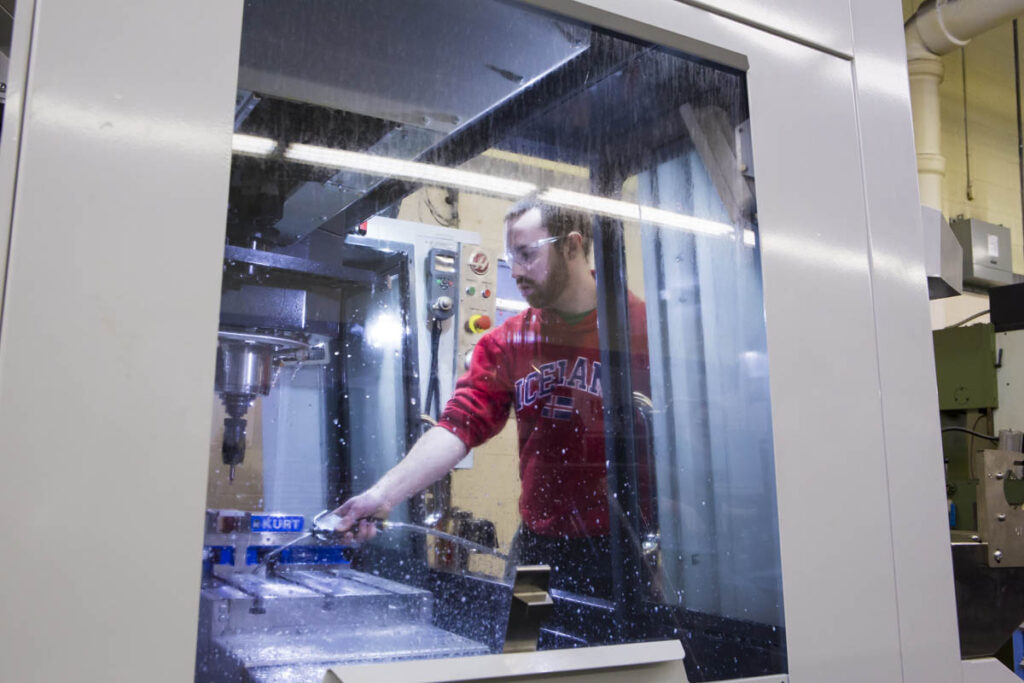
(937,28)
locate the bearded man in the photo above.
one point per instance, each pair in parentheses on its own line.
(545,364)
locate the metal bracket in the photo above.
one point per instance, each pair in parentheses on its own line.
(1000,523)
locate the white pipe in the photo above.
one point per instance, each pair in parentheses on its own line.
(941,26)
(937,28)
(925,76)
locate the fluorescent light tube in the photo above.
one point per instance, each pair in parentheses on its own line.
(585,202)
(407,170)
(672,219)
(253,145)
(479,182)
(633,212)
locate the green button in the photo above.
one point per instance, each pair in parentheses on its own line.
(471,290)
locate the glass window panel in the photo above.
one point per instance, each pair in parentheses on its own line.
(542,236)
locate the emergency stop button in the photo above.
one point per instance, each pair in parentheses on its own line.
(478,323)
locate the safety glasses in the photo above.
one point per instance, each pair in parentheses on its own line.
(527,254)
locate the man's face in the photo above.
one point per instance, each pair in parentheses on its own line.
(540,270)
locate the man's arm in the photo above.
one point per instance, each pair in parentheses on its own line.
(477,411)
(431,457)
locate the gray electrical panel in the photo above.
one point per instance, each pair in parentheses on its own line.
(987,258)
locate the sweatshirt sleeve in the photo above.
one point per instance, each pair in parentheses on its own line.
(479,407)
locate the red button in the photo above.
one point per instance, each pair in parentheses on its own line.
(486,294)
(478,323)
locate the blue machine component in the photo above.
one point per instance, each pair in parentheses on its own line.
(277,523)
(1018,652)
(302,554)
(222,554)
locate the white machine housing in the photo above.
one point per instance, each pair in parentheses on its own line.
(110,288)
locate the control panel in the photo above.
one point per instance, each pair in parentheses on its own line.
(477,286)
(442,280)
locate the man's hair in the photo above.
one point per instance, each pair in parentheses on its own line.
(559,221)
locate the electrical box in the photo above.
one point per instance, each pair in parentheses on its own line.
(965,365)
(987,258)
(1007,306)
(1010,376)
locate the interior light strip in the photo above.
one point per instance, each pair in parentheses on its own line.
(615,208)
(672,219)
(407,170)
(467,180)
(252,145)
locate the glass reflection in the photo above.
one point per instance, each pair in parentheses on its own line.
(383,505)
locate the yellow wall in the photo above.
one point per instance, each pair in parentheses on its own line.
(992,137)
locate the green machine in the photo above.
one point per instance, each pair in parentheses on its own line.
(965,364)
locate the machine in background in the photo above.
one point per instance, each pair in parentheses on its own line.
(980,371)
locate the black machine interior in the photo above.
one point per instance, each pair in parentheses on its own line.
(575,114)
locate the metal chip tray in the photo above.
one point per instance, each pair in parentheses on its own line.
(290,627)
(305,656)
(344,581)
(252,603)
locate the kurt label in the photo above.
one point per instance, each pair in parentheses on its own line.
(277,522)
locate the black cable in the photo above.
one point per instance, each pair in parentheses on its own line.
(970,446)
(967,319)
(967,144)
(972,433)
(433,403)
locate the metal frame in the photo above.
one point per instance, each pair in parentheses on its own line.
(987,670)
(878,279)
(658,661)
(109,94)
(117,233)
(610,259)
(10,138)
(913,472)
(284,262)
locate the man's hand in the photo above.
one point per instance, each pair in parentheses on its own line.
(431,457)
(356,515)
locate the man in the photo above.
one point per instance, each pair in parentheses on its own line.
(544,363)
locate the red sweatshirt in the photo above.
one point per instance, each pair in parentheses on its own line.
(550,372)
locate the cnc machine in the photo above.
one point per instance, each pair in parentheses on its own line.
(344,325)
(219,252)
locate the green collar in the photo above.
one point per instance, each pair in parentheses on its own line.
(574,318)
